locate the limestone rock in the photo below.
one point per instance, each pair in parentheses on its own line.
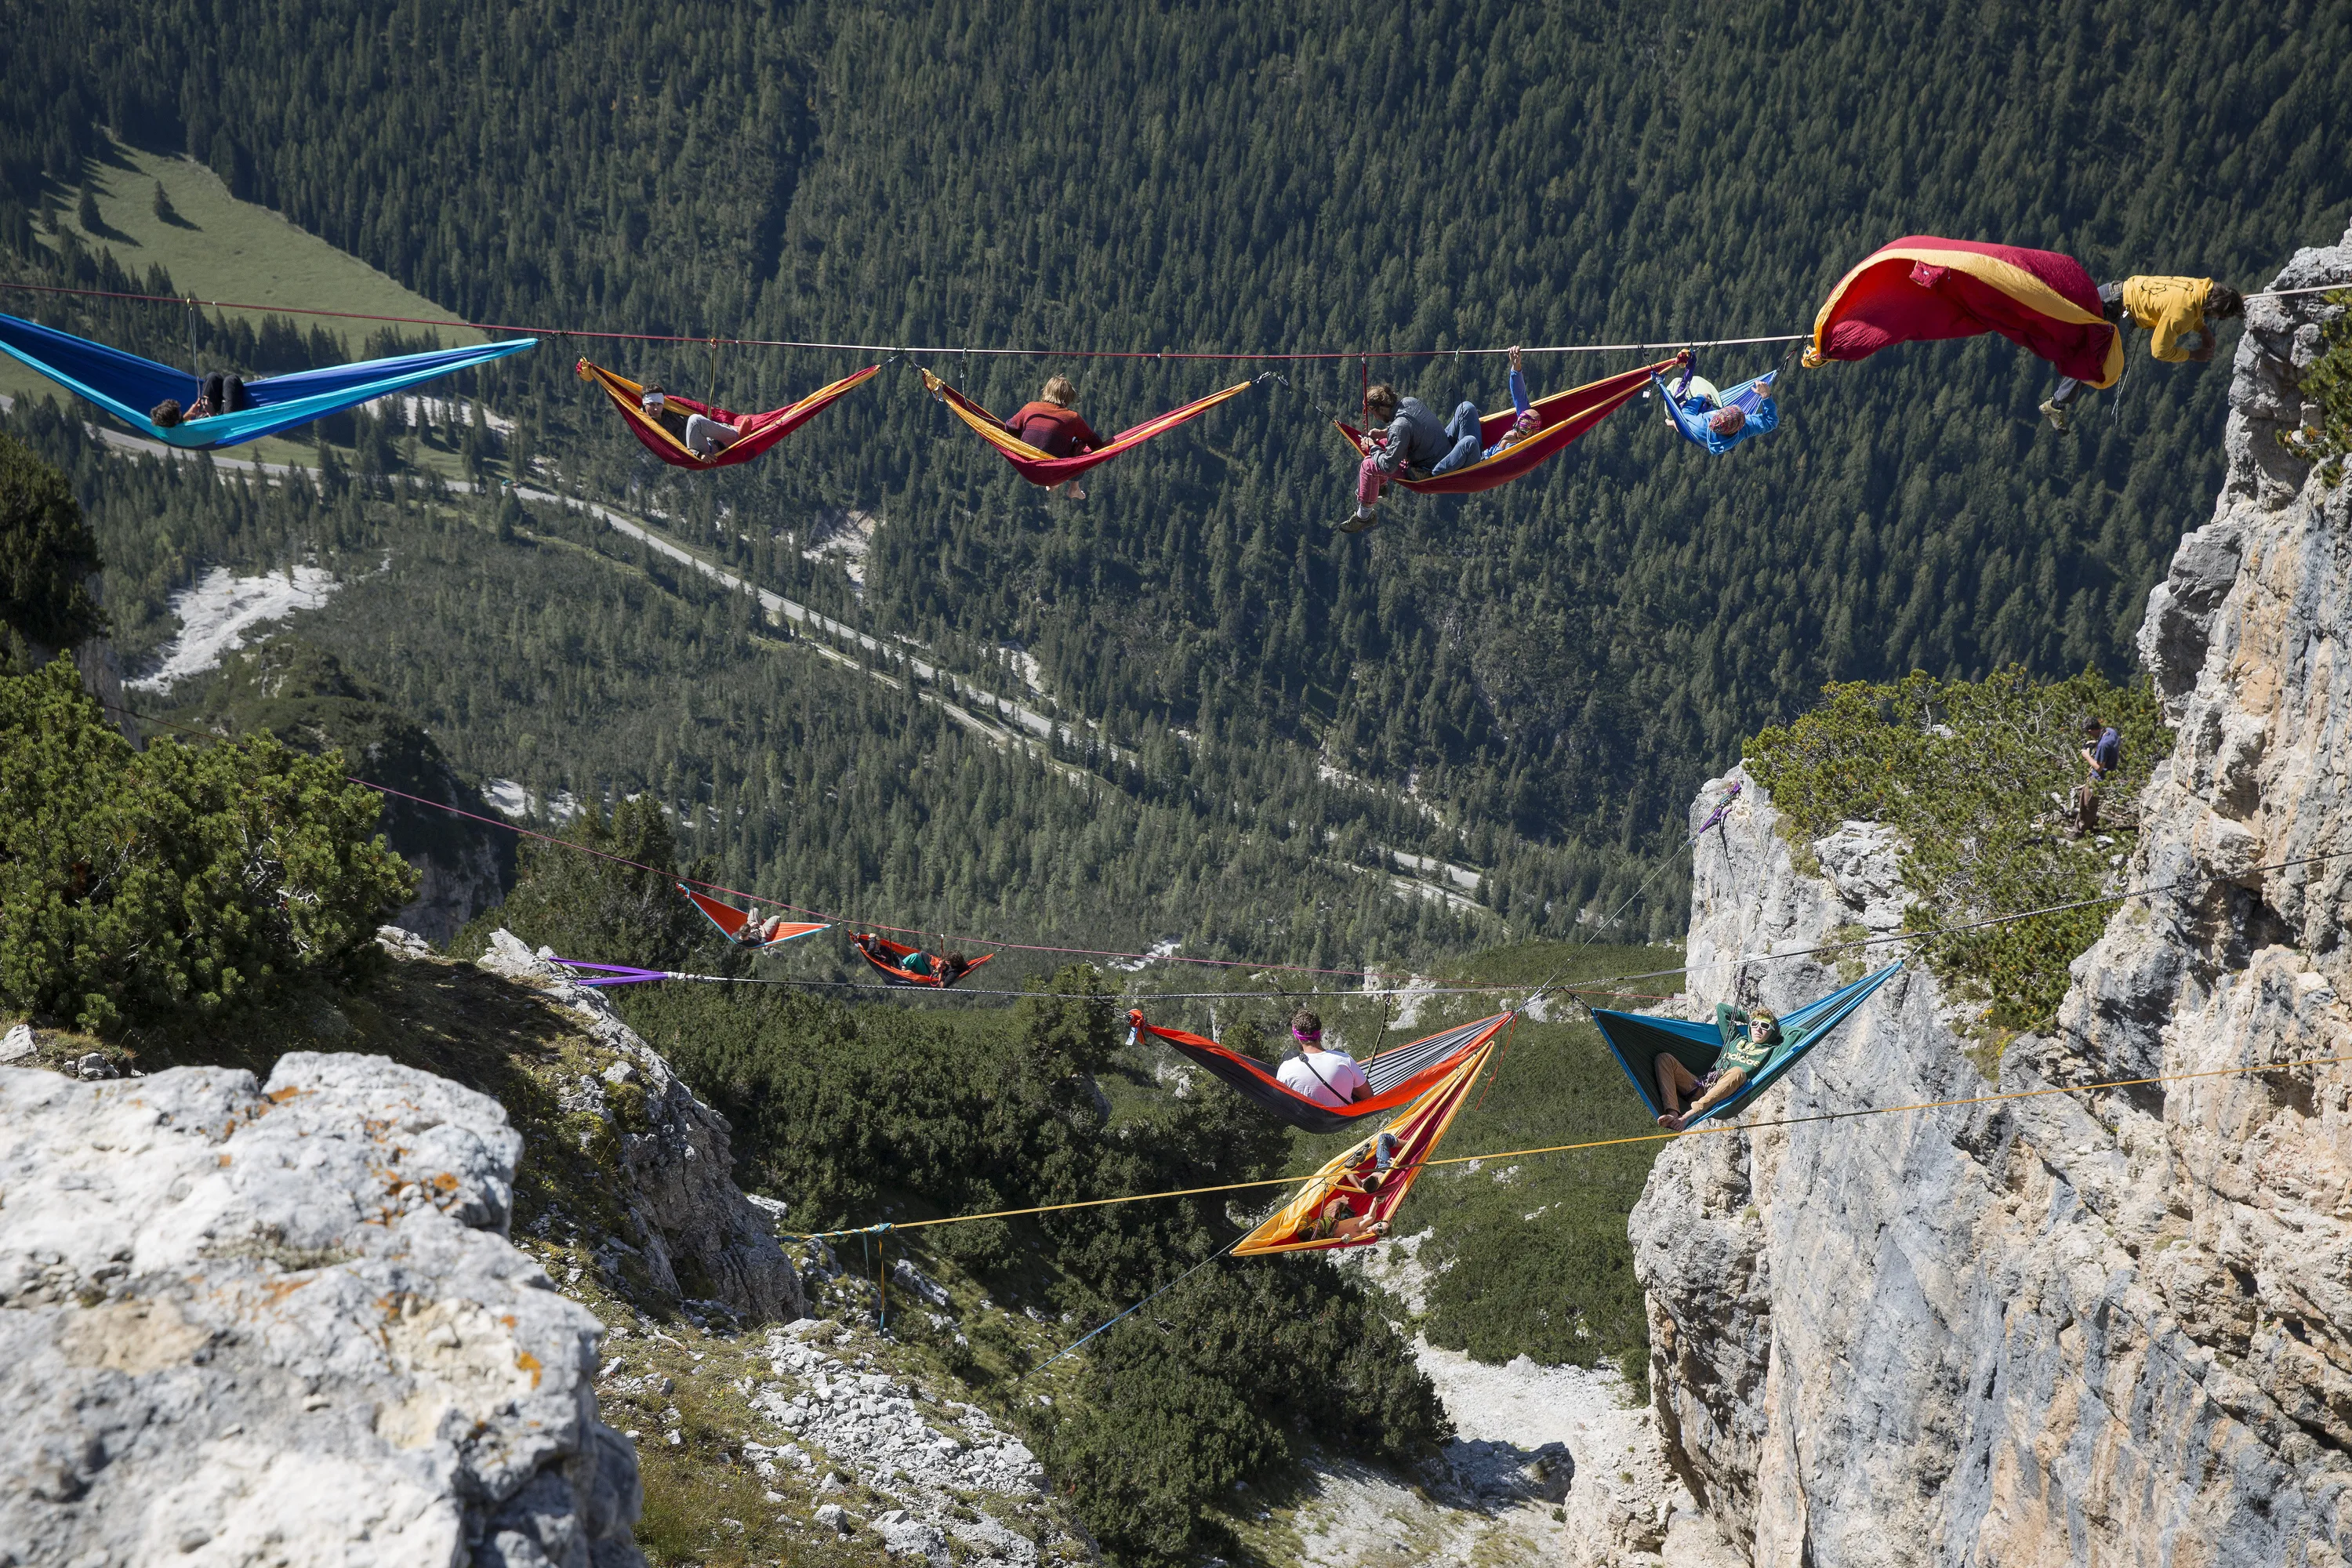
(247,1324)
(2082,1328)
(699,1238)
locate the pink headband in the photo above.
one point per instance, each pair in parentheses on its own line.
(1306,1037)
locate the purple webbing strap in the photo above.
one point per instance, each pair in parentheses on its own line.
(613,973)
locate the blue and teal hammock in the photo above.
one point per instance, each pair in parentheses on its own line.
(1690,411)
(1636,1040)
(127,387)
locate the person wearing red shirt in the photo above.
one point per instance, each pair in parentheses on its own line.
(1053,427)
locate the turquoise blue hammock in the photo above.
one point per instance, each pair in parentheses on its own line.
(1636,1038)
(127,387)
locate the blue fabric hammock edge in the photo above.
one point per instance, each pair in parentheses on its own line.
(127,387)
(1699,1044)
(1752,397)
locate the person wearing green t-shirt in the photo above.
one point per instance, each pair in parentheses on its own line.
(1748,1041)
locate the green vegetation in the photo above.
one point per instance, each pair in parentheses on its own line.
(47,555)
(134,882)
(2328,382)
(1978,776)
(1227,1379)
(1553,666)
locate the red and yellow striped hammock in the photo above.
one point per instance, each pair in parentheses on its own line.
(1041,468)
(1565,415)
(760,431)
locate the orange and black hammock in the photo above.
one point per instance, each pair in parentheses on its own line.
(731,920)
(1298,1226)
(885,956)
(1042,468)
(1565,415)
(1398,1076)
(760,431)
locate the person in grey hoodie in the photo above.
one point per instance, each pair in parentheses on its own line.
(1413,446)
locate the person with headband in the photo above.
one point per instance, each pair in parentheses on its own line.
(1415,445)
(1330,1078)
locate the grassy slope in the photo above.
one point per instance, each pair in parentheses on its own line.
(224,248)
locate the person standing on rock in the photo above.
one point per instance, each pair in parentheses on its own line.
(2103,756)
(1748,1039)
(2174,311)
(1330,1078)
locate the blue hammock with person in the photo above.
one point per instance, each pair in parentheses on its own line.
(130,388)
(1720,421)
(1637,1039)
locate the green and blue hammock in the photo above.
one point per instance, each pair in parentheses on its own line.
(128,386)
(1636,1040)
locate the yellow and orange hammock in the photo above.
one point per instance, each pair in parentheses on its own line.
(1042,468)
(1565,415)
(760,431)
(1417,1131)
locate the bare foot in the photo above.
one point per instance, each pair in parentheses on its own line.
(1672,1121)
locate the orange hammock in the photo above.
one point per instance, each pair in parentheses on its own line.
(1299,1227)
(732,922)
(1040,468)
(1565,417)
(889,958)
(760,431)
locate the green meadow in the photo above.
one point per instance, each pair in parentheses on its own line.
(218,247)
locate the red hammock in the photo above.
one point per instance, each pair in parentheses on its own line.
(1565,415)
(760,431)
(1041,468)
(731,920)
(881,952)
(1923,288)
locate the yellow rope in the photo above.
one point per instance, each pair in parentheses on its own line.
(1634,1137)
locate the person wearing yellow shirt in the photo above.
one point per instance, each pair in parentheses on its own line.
(2179,313)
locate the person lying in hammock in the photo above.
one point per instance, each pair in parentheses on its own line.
(760,934)
(1415,443)
(1054,428)
(947,971)
(1698,396)
(224,393)
(1748,1043)
(702,436)
(1341,1217)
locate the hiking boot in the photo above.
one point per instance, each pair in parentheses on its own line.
(2057,417)
(1360,522)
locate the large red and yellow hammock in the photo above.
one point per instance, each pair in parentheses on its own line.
(1924,287)
(1565,415)
(760,431)
(1042,468)
(1297,1226)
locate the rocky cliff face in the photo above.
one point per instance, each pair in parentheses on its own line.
(692,1232)
(2110,1327)
(282,1324)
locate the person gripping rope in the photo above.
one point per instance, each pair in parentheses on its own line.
(2179,313)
